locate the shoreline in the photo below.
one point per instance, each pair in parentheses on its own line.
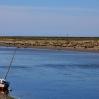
(86,44)
(56,48)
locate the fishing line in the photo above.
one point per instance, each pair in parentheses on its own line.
(13,55)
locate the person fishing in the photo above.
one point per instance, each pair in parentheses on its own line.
(4,84)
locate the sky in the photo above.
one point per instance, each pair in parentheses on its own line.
(49,17)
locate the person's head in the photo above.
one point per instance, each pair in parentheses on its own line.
(2,81)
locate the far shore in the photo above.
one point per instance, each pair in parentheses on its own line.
(83,44)
(69,49)
(58,48)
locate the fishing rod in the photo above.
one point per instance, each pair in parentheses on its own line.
(13,56)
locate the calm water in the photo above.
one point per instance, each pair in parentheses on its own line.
(51,74)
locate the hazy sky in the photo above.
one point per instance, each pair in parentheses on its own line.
(49,17)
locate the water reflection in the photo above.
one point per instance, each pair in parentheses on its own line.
(16,67)
(63,66)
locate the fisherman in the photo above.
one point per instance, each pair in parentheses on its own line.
(2,82)
(4,85)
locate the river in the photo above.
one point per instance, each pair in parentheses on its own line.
(51,74)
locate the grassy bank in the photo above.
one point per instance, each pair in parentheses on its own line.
(80,43)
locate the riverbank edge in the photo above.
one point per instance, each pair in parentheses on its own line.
(83,44)
(57,48)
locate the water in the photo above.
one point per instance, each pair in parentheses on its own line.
(51,74)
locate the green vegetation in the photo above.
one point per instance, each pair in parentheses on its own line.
(5,96)
(47,38)
(9,97)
